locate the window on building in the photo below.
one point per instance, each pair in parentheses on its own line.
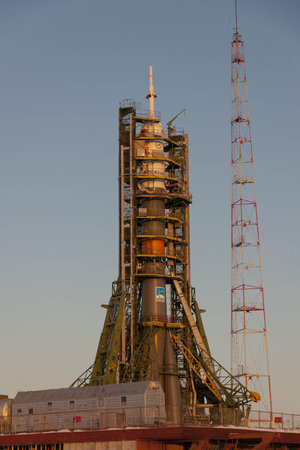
(123,401)
(72,404)
(49,406)
(101,402)
(19,411)
(30,411)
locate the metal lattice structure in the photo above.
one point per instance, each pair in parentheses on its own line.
(154,244)
(249,348)
(153,328)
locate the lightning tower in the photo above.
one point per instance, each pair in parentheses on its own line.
(249,348)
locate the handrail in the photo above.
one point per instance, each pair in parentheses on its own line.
(146,417)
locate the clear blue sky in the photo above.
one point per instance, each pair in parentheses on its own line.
(64,67)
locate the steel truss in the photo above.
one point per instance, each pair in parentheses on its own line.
(127,342)
(249,349)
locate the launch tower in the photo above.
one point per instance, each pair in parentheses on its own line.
(153,328)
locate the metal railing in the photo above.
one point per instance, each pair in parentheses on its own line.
(282,421)
(145,417)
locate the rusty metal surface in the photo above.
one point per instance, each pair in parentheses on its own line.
(189,434)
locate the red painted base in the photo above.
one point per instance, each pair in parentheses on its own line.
(199,437)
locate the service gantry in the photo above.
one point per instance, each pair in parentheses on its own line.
(153,328)
(249,348)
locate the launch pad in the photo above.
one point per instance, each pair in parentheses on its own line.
(154,383)
(153,328)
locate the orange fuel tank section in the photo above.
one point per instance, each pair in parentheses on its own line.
(153,247)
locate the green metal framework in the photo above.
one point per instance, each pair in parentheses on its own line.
(124,350)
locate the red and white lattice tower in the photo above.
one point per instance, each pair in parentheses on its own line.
(249,348)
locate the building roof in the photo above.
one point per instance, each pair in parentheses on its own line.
(109,390)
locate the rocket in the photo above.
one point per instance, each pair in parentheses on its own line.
(154,304)
(153,328)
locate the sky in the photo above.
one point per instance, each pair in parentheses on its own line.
(64,67)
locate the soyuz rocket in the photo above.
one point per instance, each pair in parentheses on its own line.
(153,328)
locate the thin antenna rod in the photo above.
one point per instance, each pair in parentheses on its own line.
(236,18)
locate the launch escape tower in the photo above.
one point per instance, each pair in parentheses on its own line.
(249,348)
(153,328)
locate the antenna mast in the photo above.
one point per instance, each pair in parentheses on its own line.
(236,18)
(249,348)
